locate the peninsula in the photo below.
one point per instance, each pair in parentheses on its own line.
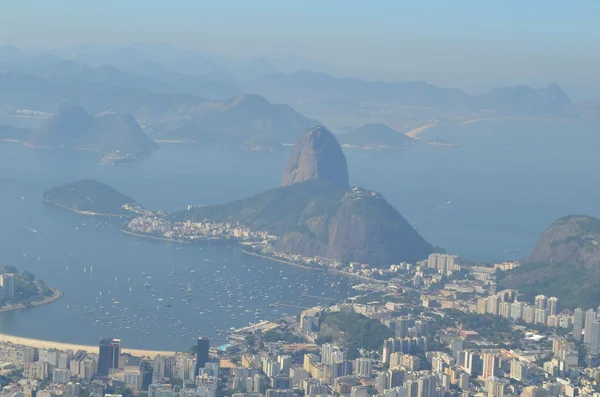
(314,218)
(22,290)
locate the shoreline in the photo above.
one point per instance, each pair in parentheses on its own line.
(147,236)
(57,296)
(84,213)
(341,273)
(270,258)
(414,133)
(47,344)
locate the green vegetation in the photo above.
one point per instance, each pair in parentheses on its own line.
(317,218)
(281,336)
(564,263)
(569,283)
(357,331)
(277,210)
(496,329)
(89,196)
(27,288)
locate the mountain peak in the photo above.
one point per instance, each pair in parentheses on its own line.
(317,155)
(554,95)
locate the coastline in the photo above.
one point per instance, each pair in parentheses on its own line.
(85,213)
(417,131)
(57,295)
(341,273)
(147,236)
(270,258)
(46,344)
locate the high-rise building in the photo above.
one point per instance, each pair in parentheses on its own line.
(540,301)
(552,305)
(577,323)
(482,305)
(109,355)
(201,353)
(7,282)
(389,347)
(402,326)
(490,363)
(541,316)
(518,370)
(493,304)
(426,386)
(516,310)
(533,391)
(529,314)
(363,367)
(61,376)
(504,309)
(594,341)
(285,362)
(495,388)
(28,354)
(590,316)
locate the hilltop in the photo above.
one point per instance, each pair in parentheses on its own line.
(564,263)
(317,155)
(90,197)
(72,127)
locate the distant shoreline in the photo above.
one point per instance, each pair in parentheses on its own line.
(85,213)
(417,131)
(270,258)
(46,344)
(153,237)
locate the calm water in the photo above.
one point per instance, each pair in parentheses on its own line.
(487,199)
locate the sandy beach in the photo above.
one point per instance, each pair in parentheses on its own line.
(45,344)
(500,119)
(415,133)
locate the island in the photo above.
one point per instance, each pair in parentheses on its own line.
(118,137)
(22,290)
(375,136)
(90,197)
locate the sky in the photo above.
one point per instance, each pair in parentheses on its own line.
(466,44)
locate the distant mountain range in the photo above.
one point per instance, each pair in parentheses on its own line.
(73,128)
(166,76)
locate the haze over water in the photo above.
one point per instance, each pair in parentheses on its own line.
(487,199)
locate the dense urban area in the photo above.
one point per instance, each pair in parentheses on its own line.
(435,328)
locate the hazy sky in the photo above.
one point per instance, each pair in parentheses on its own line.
(446,42)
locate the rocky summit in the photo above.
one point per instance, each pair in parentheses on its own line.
(565,262)
(317,155)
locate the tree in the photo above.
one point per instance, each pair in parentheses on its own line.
(10,269)
(28,276)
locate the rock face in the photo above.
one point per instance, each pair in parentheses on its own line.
(564,263)
(317,155)
(571,240)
